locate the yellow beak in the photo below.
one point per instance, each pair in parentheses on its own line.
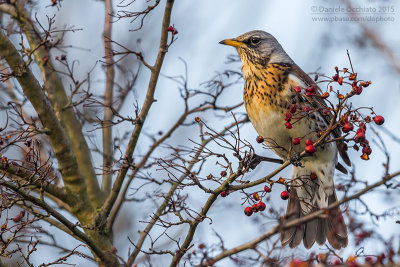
(231,42)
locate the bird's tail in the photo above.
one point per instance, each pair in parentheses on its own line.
(311,191)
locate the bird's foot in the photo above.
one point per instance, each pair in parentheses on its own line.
(251,161)
(295,160)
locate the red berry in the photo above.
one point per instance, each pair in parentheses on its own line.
(325,95)
(358,90)
(369,259)
(248,211)
(360,130)
(254,208)
(335,77)
(379,120)
(172,29)
(288,116)
(260,139)
(261,206)
(285,195)
(297,89)
(223,173)
(224,193)
(288,125)
(340,81)
(347,127)
(267,189)
(310,149)
(310,89)
(336,262)
(293,108)
(17,218)
(256,196)
(364,156)
(366,84)
(296,141)
(360,137)
(309,142)
(306,109)
(309,93)
(367,150)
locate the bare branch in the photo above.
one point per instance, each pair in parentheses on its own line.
(108,99)
(68,165)
(108,204)
(286,225)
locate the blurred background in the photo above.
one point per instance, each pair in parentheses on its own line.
(315,33)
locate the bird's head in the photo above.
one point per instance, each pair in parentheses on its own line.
(257,49)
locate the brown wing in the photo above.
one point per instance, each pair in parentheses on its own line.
(296,70)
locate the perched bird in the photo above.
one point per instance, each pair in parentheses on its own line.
(272,82)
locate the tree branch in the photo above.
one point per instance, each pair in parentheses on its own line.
(59,100)
(173,188)
(279,227)
(193,225)
(71,226)
(55,245)
(108,99)
(21,174)
(106,209)
(60,143)
(145,158)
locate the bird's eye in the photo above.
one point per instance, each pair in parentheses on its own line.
(255,40)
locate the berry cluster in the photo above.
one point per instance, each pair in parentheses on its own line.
(352,118)
(352,124)
(361,236)
(289,115)
(258,204)
(348,122)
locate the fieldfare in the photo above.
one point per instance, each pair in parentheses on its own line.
(271,81)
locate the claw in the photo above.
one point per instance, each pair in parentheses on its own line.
(296,160)
(252,160)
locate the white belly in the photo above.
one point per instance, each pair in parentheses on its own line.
(270,124)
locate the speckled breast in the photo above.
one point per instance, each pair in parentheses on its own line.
(267,96)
